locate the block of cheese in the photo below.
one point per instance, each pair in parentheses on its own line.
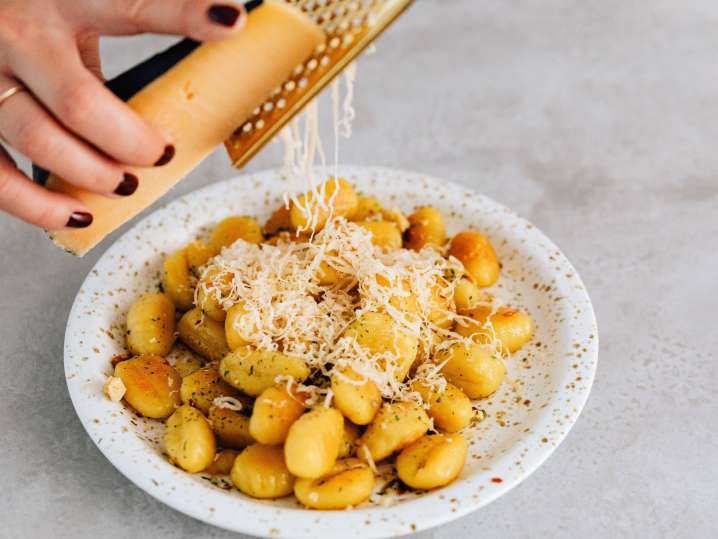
(199,103)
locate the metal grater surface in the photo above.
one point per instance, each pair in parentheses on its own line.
(350,26)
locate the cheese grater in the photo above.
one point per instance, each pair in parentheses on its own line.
(350,26)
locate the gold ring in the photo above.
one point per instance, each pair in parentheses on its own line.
(7,94)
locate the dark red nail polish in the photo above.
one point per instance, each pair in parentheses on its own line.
(223,14)
(80,219)
(128,185)
(249,6)
(167,156)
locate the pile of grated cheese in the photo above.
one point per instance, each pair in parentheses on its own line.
(289,311)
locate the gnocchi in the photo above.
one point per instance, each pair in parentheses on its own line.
(202,334)
(345,203)
(432,461)
(384,234)
(222,462)
(347,336)
(348,483)
(231,229)
(252,370)
(151,325)
(260,472)
(394,427)
(511,327)
(177,281)
(274,412)
(358,402)
(230,427)
(203,386)
(450,409)
(189,440)
(313,442)
(152,386)
(380,334)
(476,369)
(426,227)
(476,253)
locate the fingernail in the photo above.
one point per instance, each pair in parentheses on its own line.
(249,6)
(167,156)
(128,185)
(223,14)
(80,219)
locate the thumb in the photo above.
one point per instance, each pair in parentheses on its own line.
(202,20)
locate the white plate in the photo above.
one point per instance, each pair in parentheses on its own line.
(527,418)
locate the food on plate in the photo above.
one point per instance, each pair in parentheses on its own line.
(322,348)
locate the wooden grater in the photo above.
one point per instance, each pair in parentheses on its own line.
(350,26)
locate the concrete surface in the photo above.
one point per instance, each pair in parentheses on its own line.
(595,119)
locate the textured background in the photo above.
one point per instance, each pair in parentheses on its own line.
(595,119)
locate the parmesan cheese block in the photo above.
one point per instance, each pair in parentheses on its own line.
(199,103)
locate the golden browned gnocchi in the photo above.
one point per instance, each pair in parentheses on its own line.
(260,472)
(380,334)
(177,280)
(394,427)
(320,360)
(151,324)
(202,387)
(347,484)
(345,203)
(203,334)
(367,208)
(235,228)
(252,371)
(450,409)
(384,234)
(358,402)
(313,442)
(213,285)
(152,386)
(198,254)
(349,438)
(275,410)
(476,368)
(467,296)
(426,227)
(235,327)
(184,361)
(189,440)
(476,253)
(432,461)
(222,462)
(231,427)
(511,327)
(279,221)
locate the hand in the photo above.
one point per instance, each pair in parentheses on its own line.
(64,119)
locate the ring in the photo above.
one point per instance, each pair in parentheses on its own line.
(7,94)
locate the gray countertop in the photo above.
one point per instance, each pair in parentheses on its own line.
(596,120)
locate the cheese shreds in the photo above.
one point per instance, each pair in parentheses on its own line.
(288,311)
(228,403)
(114,388)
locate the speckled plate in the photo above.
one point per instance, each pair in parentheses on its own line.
(533,411)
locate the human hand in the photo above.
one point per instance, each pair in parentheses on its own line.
(55,110)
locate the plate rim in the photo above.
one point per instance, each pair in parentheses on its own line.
(422,505)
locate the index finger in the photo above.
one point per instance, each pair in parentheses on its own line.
(81,102)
